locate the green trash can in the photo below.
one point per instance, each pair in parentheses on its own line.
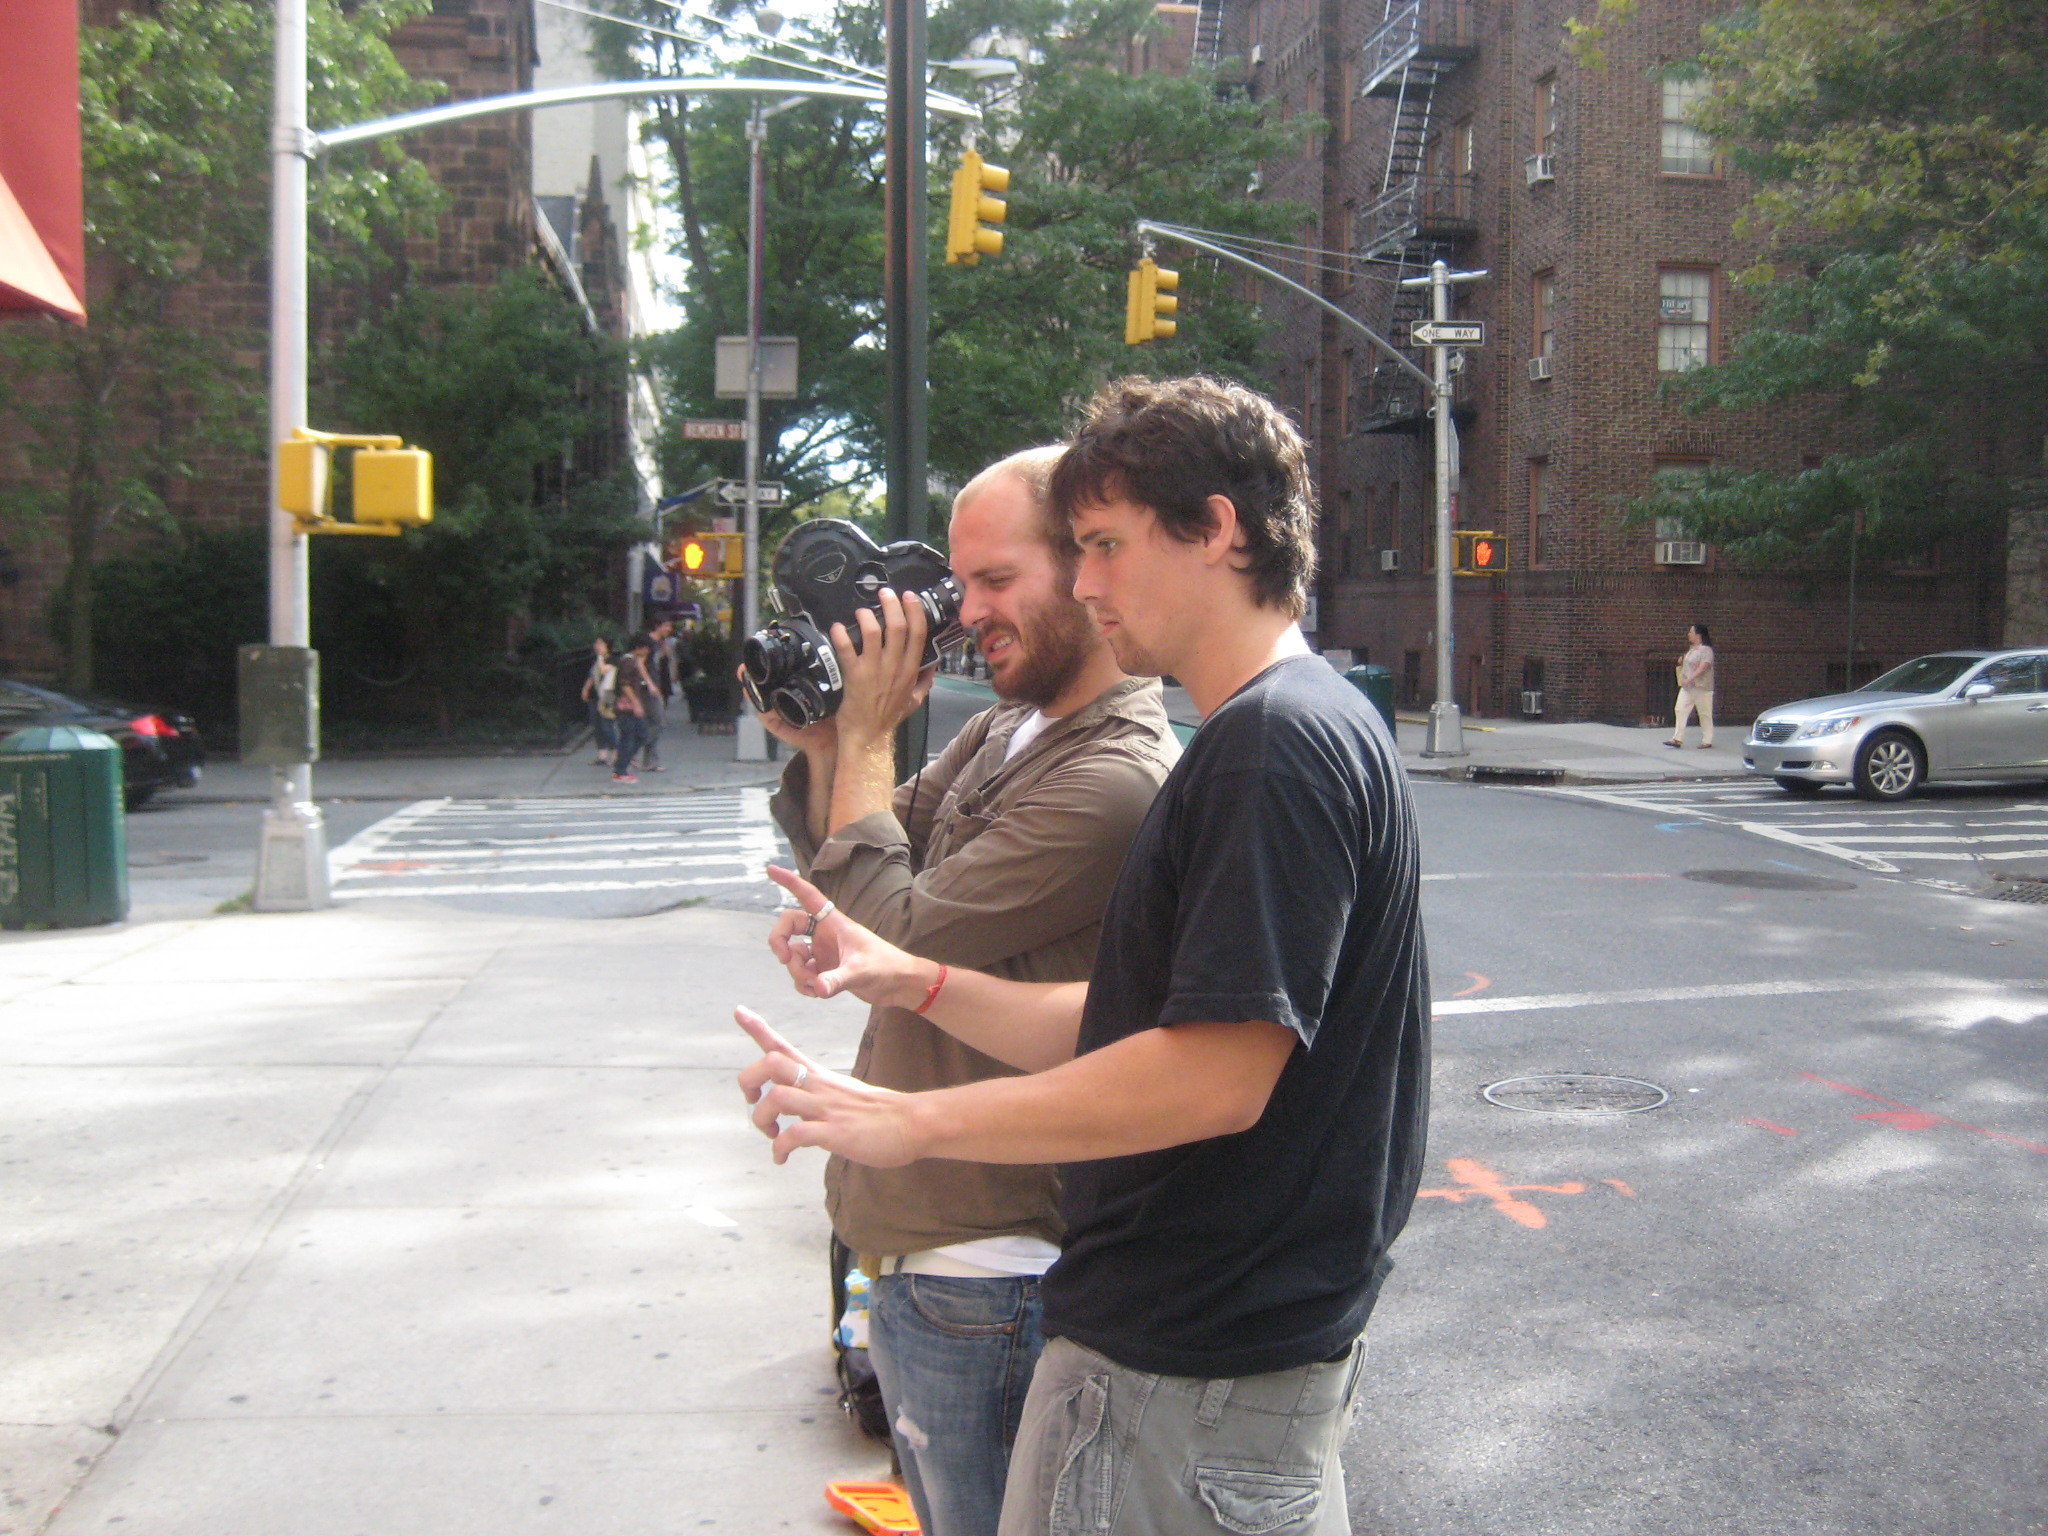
(1377,684)
(63,842)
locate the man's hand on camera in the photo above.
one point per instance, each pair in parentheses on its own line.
(819,742)
(826,952)
(828,1109)
(886,679)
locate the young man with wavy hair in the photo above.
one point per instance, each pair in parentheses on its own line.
(1237,1095)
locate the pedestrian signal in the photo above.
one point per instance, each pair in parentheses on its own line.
(710,556)
(1480,554)
(1149,296)
(966,240)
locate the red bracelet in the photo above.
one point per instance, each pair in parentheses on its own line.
(932,996)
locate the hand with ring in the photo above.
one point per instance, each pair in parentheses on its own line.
(827,1109)
(826,952)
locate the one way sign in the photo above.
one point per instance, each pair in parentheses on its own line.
(1448,333)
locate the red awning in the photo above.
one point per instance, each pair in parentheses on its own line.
(42,202)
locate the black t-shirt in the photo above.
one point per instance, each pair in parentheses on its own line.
(1274,879)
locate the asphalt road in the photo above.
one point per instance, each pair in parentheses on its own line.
(1801,1294)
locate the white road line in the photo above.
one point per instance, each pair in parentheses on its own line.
(424,868)
(373,837)
(497,848)
(541,887)
(1542,1001)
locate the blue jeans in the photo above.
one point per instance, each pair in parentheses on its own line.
(954,1358)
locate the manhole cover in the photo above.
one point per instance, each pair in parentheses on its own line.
(1768,880)
(2020,888)
(1575,1093)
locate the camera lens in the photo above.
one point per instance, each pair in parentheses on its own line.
(941,602)
(800,704)
(771,655)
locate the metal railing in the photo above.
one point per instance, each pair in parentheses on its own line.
(1440,208)
(1430,29)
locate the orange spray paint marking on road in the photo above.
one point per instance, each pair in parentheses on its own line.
(1616,1184)
(1476,1180)
(1769,1125)
(1479,984)
(1907,1117)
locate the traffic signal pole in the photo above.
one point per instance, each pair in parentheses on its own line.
(906,300)
(291,856)
(1446,736)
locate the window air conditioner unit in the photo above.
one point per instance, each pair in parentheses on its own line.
(1539,168)
(1258,54)
(1539,368)
(1532,701)
(1390,561)
(1681,552)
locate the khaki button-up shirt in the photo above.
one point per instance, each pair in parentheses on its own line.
(999,866)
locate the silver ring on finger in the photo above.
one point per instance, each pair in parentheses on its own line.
(801,1074)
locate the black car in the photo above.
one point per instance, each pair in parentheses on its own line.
(160,749)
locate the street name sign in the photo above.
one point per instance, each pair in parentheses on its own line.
(767,493)
(1448,333)
(715,431)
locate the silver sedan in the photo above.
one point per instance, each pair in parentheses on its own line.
(1953,715)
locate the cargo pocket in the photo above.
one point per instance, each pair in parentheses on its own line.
(1255,1503)
(1081,1495)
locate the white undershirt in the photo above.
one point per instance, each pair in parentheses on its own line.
(1028,730)
(993,1257)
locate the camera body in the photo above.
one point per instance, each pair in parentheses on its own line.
(826,572)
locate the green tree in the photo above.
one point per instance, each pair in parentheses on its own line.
(1015,339)
(1900,154)
(515,396)
(175,100)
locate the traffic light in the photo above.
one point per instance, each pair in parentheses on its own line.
(710,556)
(392,486)
(1480,554)
(1149,296)
(966,241)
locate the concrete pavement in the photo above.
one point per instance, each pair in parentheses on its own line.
(376,1220)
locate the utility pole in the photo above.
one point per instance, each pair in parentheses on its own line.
(751,739)
(906,297)
(1446,737)
(291,858)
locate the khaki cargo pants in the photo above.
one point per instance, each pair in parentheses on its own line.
(1106,1451)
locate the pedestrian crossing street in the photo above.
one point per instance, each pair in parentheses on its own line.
(1936,834)
(651,850)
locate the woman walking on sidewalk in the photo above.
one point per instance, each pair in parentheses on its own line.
(598,689)
(1695,688)
(630,701)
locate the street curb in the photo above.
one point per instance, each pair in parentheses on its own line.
(1512,775)
(380,798)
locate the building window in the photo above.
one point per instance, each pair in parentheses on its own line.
(1687,150)
(1545,293)
(1685,320)
(1546,115)
(1347,386)
(1348,94)
(1542,526)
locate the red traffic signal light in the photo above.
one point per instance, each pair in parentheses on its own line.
(1480,554)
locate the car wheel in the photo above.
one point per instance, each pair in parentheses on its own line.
(1793,786)
(135,796)
(1889,766)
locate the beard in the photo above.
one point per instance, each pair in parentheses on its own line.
(1056,639)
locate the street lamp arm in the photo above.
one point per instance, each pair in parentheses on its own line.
(567,95)
(1173,232)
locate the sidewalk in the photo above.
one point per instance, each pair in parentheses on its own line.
(689,761)
(423,1225)
(1585,753)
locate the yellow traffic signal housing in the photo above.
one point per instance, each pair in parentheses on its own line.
(1149,295)
(966,240)
(302,478)
(711,556)
(394,485)
(1479,554)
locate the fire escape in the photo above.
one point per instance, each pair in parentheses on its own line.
(1425,207)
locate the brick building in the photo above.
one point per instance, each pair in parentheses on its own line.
(1462,129)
